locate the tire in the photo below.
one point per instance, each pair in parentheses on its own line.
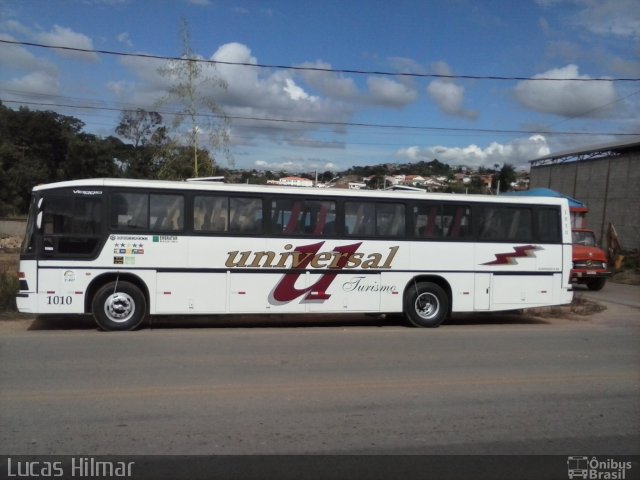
(426,304)
(119,306)
(596,284)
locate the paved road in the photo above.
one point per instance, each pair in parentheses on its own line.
(482,384)
(613,293)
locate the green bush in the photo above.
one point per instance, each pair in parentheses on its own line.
(8,290)
(631,261)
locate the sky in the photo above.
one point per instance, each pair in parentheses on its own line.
(375,81)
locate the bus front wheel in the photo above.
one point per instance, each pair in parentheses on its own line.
(119,306)
(426,304)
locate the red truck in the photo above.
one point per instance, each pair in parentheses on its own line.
(589,262)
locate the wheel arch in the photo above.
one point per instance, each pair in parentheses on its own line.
(437,279)
(104,278)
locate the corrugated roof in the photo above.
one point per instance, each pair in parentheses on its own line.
(615,146)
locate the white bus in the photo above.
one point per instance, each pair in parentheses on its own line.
(125,249)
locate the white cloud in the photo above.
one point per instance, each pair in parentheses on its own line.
(15,26)
(390,93)
(618,18)
(65,37)
(450,98)
(518,152)
(406,65)
(296,165)
(447,95)
(42,84)
(566,98)
(255,94)
(18,57)
(120,88)
(295,92)
(331,84)
(125,39)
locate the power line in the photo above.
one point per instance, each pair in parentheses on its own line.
(340,124)
(319,69)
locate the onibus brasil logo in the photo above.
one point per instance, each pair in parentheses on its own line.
(299,258)
(594,468)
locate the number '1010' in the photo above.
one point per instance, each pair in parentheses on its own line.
(59,300)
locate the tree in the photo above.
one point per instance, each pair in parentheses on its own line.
(187,90)
(327,176)
(138,126)
(35,148)
(506,177)
(149,138)
(176,164)
(376,182)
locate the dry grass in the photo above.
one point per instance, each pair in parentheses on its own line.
(579,307)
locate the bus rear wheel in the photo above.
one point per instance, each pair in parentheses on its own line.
(119,306)
(426,304)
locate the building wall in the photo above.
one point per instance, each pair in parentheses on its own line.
(610,188)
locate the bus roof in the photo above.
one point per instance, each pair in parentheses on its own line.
(306,191)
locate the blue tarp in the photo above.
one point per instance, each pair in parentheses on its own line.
(547,192)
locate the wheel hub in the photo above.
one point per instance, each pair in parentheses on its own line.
(119,307)
(427,305)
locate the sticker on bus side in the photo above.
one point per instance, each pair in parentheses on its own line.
(165,239)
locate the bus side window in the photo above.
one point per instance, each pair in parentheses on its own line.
(549,225)
(323,218)
(390,219)
(211,214)
(167,212)
(458,221)
(359,218)
(491,226)
(130,211)
(506,224)
(302,217)
(520,229)
(427,221)
(245,215)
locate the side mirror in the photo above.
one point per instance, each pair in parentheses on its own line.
(39,220)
